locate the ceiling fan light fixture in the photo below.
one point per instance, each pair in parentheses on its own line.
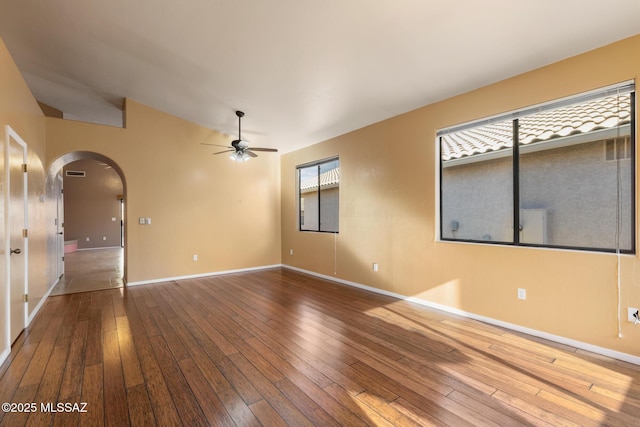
(239,156)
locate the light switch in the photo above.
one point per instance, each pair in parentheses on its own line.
(113,219)
(147,221)
(141,220)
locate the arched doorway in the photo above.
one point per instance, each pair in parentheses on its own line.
(89,244)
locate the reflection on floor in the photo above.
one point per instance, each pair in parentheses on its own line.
(91,270)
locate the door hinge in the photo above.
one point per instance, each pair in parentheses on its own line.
(25,233)
(24,167)
(62,259)
(26,297)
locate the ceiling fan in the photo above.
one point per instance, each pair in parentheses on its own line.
(239,149)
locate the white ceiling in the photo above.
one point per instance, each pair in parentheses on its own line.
(302,70)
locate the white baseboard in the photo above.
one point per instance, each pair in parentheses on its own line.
(197,276)
(4,355)
(98,248)
(35,311)
(556,338)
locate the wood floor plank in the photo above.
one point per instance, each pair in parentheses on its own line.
(209,402)
(24,394)
(537,410)
(181,393)
(65,333)
(270,392)
(106,309)
(278,347)
(238,409)
(491,409)
(307,406)
(292,356)
(128,356)
(38,363)
(164,409)
(16,366)
(93,395)
(305,385)
(49,386)
(141,298)
(348,400)
(266,414)
(419,395)
(115,408)
(74,369)
(140,410)
(93,349)
(197,350)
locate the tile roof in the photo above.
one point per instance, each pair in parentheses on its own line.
(328,178)
(603,113)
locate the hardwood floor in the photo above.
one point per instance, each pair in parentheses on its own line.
(277,347)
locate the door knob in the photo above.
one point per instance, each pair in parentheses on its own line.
(15,251)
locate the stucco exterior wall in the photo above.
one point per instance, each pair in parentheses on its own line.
(576,186)
(329,209)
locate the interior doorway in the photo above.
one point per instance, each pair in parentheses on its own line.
(59,223)
(92,222)
(16,233)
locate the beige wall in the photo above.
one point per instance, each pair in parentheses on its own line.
(92,205)
(20,110)
(227,213)
(388,215)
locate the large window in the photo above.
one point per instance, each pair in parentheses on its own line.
(319,195)
(557,175)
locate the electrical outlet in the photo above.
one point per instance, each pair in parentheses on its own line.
(375,266)
(633,315)
(195,257)
(290,251)
(522,293)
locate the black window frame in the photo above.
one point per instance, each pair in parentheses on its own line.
(515,115)
(302,214)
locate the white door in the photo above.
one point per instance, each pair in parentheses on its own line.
(16,157)
(59,227)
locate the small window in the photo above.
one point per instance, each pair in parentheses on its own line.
(319,196)
(617,149)
(77,174)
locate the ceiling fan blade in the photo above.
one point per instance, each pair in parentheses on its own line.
(250,153)
(271,150)
(225,151)
(215,145)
